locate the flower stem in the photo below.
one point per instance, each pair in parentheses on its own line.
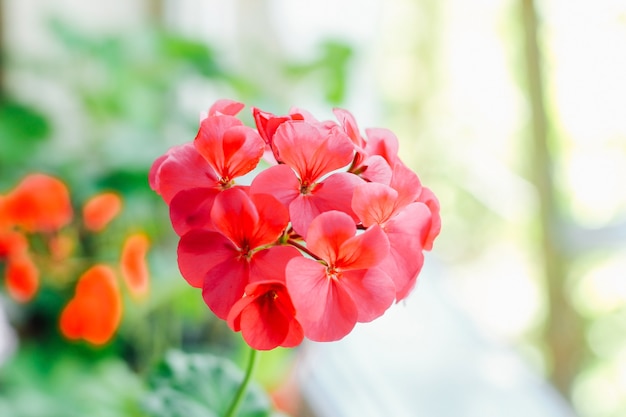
(241,392)
(303,249)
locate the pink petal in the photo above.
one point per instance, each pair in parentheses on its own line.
(382,142)
(229,147)
(406,183)
(266,317)
(243,149)
(279,181)
(372,290)
(224,285)
(273,220)
(324,309)
(181,168)
(334,193)
(225,107)
(270,264)
(374,203)
(328,232)
(311,152)
(235,215)
(428,197)
(364,250)
(191,209)
(349,125)
(406,232)
(375,168)
(201,250)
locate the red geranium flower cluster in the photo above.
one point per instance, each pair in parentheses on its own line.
(328,235)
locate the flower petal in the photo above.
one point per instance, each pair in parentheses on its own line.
(382,142)
(324,309)
(374,203)
(273,220)
(231,148)
(364,250)
(224,285)
(406,183)
(181,168)
(266,317)
(310,152)
(372,290)
(270,264)
(226,107)
(334,193)
(406,232)
(134,266)
(22,278)
(235,215)
(201,250)
(375,168)
(428,197)
(328,232)
(100,210)
(191,209)
(39,203)
(279,181)
(95,312)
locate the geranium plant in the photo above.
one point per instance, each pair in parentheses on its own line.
(329,232)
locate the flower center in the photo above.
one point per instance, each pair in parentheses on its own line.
(306,187)
(334,273)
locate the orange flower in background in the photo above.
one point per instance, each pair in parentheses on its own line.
(100,209)
(38,203)
(95,312)
(22,278)
(21,274)
(134,266)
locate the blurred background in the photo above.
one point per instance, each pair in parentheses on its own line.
(512,111)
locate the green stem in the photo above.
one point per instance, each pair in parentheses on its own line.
(241,392)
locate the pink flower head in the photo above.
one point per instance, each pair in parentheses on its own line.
(223,262)
(345,286)
(327,236)
(303,183)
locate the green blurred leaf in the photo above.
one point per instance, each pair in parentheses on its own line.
(49,381)
(197,54)
(21,128)
(200,385)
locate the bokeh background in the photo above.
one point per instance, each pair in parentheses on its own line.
(512,111)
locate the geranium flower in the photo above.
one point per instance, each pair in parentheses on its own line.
(223,262)
(95,312)
(189,176)
(266,316)
(134,266)
(100,210)
(21,277)
(39,203)
(305,183)
(345,286)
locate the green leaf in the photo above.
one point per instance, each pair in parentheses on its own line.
(200,385)
(21,129)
